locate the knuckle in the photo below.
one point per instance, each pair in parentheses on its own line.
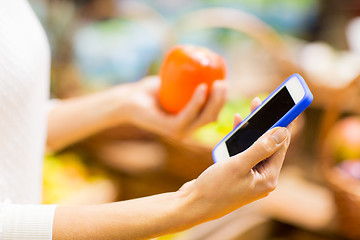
(206,118)
(287,143)
(214,117)
(175,132)
(253,185)
(177,135)
(271,185)
(234,165)
(235,168)
(210,119)
(266,194)
(267,145)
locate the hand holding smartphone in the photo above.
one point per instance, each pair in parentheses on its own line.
(279,109)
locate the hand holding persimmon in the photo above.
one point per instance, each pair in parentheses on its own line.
(184,68)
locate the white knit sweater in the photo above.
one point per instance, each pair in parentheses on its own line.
(24,83)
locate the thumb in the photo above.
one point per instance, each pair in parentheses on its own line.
(265,146)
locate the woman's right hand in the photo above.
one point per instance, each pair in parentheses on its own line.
(220,189)
(243,178)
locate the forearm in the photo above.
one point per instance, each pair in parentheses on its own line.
(142,218)
(219,190)
(74,119)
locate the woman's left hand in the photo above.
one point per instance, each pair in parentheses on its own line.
(146,112)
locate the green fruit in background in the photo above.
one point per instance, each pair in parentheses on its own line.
(212,133)
(66,174)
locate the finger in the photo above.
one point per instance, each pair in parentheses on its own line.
(255,103)
(290,127)
(272,165)
(215,103)
(277,160)
(192,109)
(269,171)
(152,80)
(264,147)
(187,185)
(237,120)
(213,106)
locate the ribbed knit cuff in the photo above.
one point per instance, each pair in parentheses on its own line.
(28,222)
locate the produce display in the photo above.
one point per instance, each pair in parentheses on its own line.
(344,143)
(351,167)
(65,175)
(108,43)
(183,69)
(212,133)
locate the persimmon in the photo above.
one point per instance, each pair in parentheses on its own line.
(183,69)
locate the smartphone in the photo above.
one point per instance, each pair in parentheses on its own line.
(279,109)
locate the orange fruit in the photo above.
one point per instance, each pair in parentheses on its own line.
(183,69)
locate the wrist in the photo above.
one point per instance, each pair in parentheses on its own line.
(120,105)
(191,205)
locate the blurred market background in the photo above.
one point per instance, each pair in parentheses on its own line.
(97,44)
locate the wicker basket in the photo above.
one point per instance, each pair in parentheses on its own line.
(346,189)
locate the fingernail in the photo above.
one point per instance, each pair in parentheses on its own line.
(203,89)
(280,135)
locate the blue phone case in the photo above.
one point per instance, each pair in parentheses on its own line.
(290,115)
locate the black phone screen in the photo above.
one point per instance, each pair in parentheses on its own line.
(260,122)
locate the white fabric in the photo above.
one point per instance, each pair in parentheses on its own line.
(24,83)
(27,222)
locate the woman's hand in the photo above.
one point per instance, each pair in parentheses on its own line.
(220,189)
(145,111)
(243,178)
(135,103)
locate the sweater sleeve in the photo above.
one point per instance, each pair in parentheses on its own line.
(29,222)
